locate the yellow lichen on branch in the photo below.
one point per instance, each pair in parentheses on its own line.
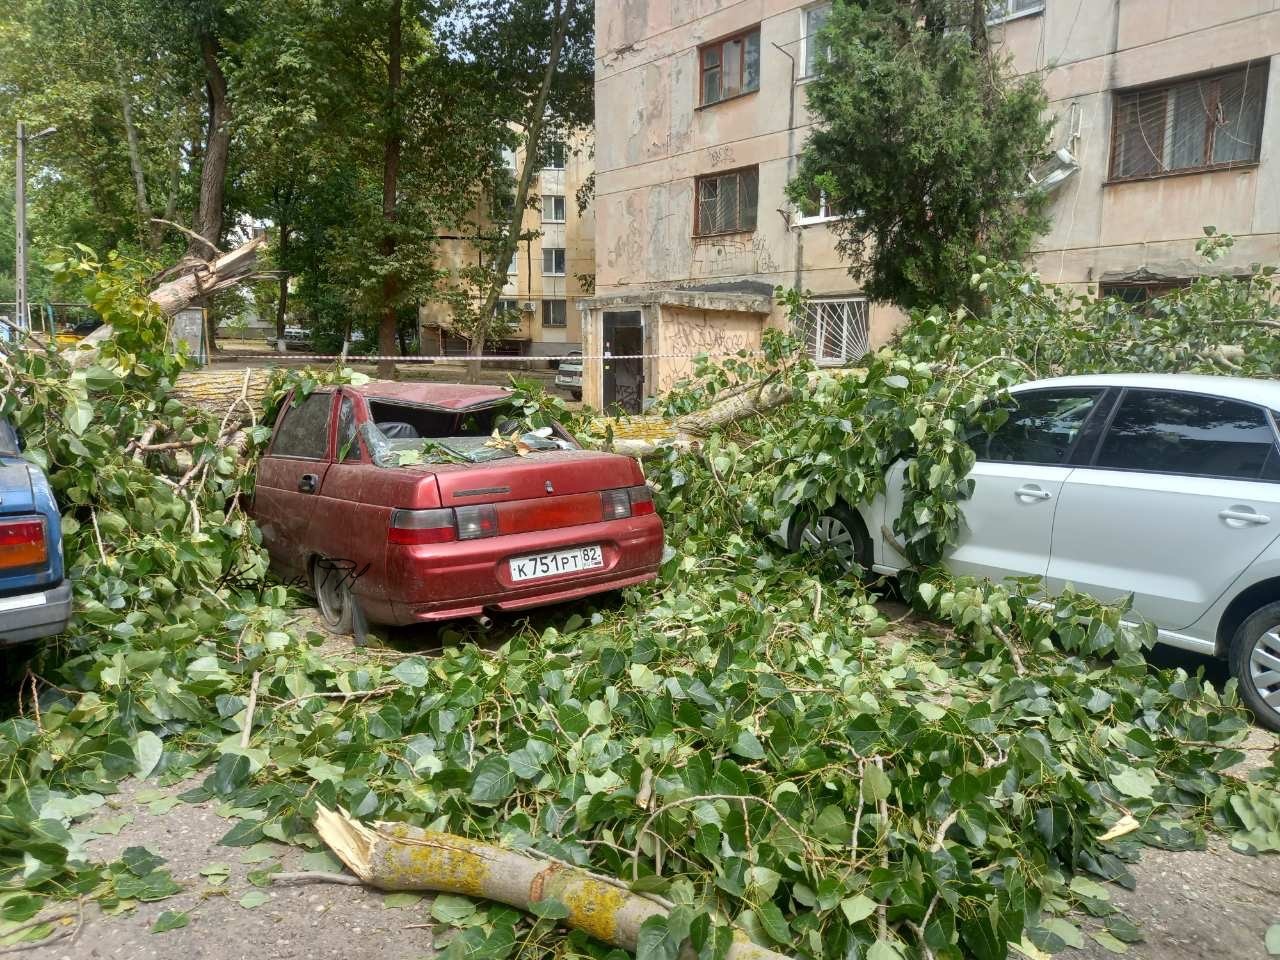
(396,856)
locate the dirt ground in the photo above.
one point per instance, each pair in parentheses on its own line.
(1213,904)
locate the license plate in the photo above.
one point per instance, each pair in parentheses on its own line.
(558,562)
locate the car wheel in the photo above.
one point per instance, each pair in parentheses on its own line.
(332,587)
(576,394)
(13,668)
(837,532)
(1255,661)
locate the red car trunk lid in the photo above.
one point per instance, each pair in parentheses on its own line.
(536,477)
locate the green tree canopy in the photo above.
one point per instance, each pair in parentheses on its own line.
(924,141)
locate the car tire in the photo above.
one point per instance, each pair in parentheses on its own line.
(1255,663)
(576,394)
(17,658)
(333,598)
(837,531)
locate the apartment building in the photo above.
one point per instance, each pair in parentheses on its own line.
(1167,121)
(700,116)
(548,275)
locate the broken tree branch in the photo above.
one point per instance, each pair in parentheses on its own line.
(396,856)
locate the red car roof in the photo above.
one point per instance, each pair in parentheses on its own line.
(449,396)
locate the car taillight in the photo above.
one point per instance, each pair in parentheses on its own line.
(476,522)
(641,500)
(615,504)
(422,526)
(626,502)
(22,544)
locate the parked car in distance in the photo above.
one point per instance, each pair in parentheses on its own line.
(399,498)
(35,597)
(1162,487)
(569,375)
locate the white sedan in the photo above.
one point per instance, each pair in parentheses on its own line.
(1164,487)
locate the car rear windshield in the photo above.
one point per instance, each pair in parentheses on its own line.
(400,435)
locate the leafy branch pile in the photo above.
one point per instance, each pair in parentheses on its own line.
(750,739)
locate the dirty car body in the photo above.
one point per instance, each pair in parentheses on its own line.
(401,494)
(35,598)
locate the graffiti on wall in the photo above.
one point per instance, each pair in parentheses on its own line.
(721,256)
(689,335)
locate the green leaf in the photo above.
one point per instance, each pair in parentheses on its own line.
(1138,783)
(253,899)
(147,748)
(140,860)
(412,672)
(885,950)
(1273,940)
(398,901)
(652,943)
(1065,931)
(77,416)
(774,923)
(258,853)
(876,785)
(549,909)
(492,781)
(451,909)
(1107,941)
(748,745)
(856,909)
(171,920)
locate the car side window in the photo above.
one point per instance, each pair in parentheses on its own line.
(348,444)
(1040,429)
(305,431)
(1190,435)
(8,439)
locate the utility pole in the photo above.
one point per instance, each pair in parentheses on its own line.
(23,317)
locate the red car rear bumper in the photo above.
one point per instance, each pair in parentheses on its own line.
(463,579)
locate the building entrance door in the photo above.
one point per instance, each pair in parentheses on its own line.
(623,378)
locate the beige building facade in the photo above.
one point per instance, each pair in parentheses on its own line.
(1167,121)
(549,274)
(700,117)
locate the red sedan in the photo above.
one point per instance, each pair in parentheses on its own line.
(423,502)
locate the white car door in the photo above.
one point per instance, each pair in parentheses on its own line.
(1183,495)
(1021,467)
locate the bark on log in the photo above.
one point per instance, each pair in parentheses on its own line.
(740,404)
(396,856)
(202,278)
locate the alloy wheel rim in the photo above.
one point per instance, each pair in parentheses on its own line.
(1264,668)
(329,594)
(830,535)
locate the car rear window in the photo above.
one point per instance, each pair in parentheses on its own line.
(8,439)
(1190,435)
(305,431)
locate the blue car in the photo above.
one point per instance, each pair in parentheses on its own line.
(35,597)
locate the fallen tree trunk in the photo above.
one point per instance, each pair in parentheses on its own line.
(396,856)
(199,279)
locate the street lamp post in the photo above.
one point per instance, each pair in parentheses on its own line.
(23,318)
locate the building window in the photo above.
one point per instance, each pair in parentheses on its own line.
(1202,124)
(553,261)
(730,67)
(509,159)
(837,331)
(818,207)
(513,267)
(555,313)
(552,208)
(554,154)
(1002,10)
(1138,293)
(508,307)
(726,203)
(811,50)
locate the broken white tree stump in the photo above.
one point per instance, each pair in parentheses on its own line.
(396,856)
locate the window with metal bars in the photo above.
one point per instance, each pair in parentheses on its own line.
(555,313)
(1002,10)
(730,67)
(837,331)
(1205,123)
(726,203)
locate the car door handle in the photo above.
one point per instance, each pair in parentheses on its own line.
(1239,516)
(308,482)
(1032,492)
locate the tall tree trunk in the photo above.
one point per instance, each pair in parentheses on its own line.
(390,180)
(282,305)
(148,231)
(213,173)
(534,122)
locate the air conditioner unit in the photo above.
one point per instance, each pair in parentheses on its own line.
(527,306)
